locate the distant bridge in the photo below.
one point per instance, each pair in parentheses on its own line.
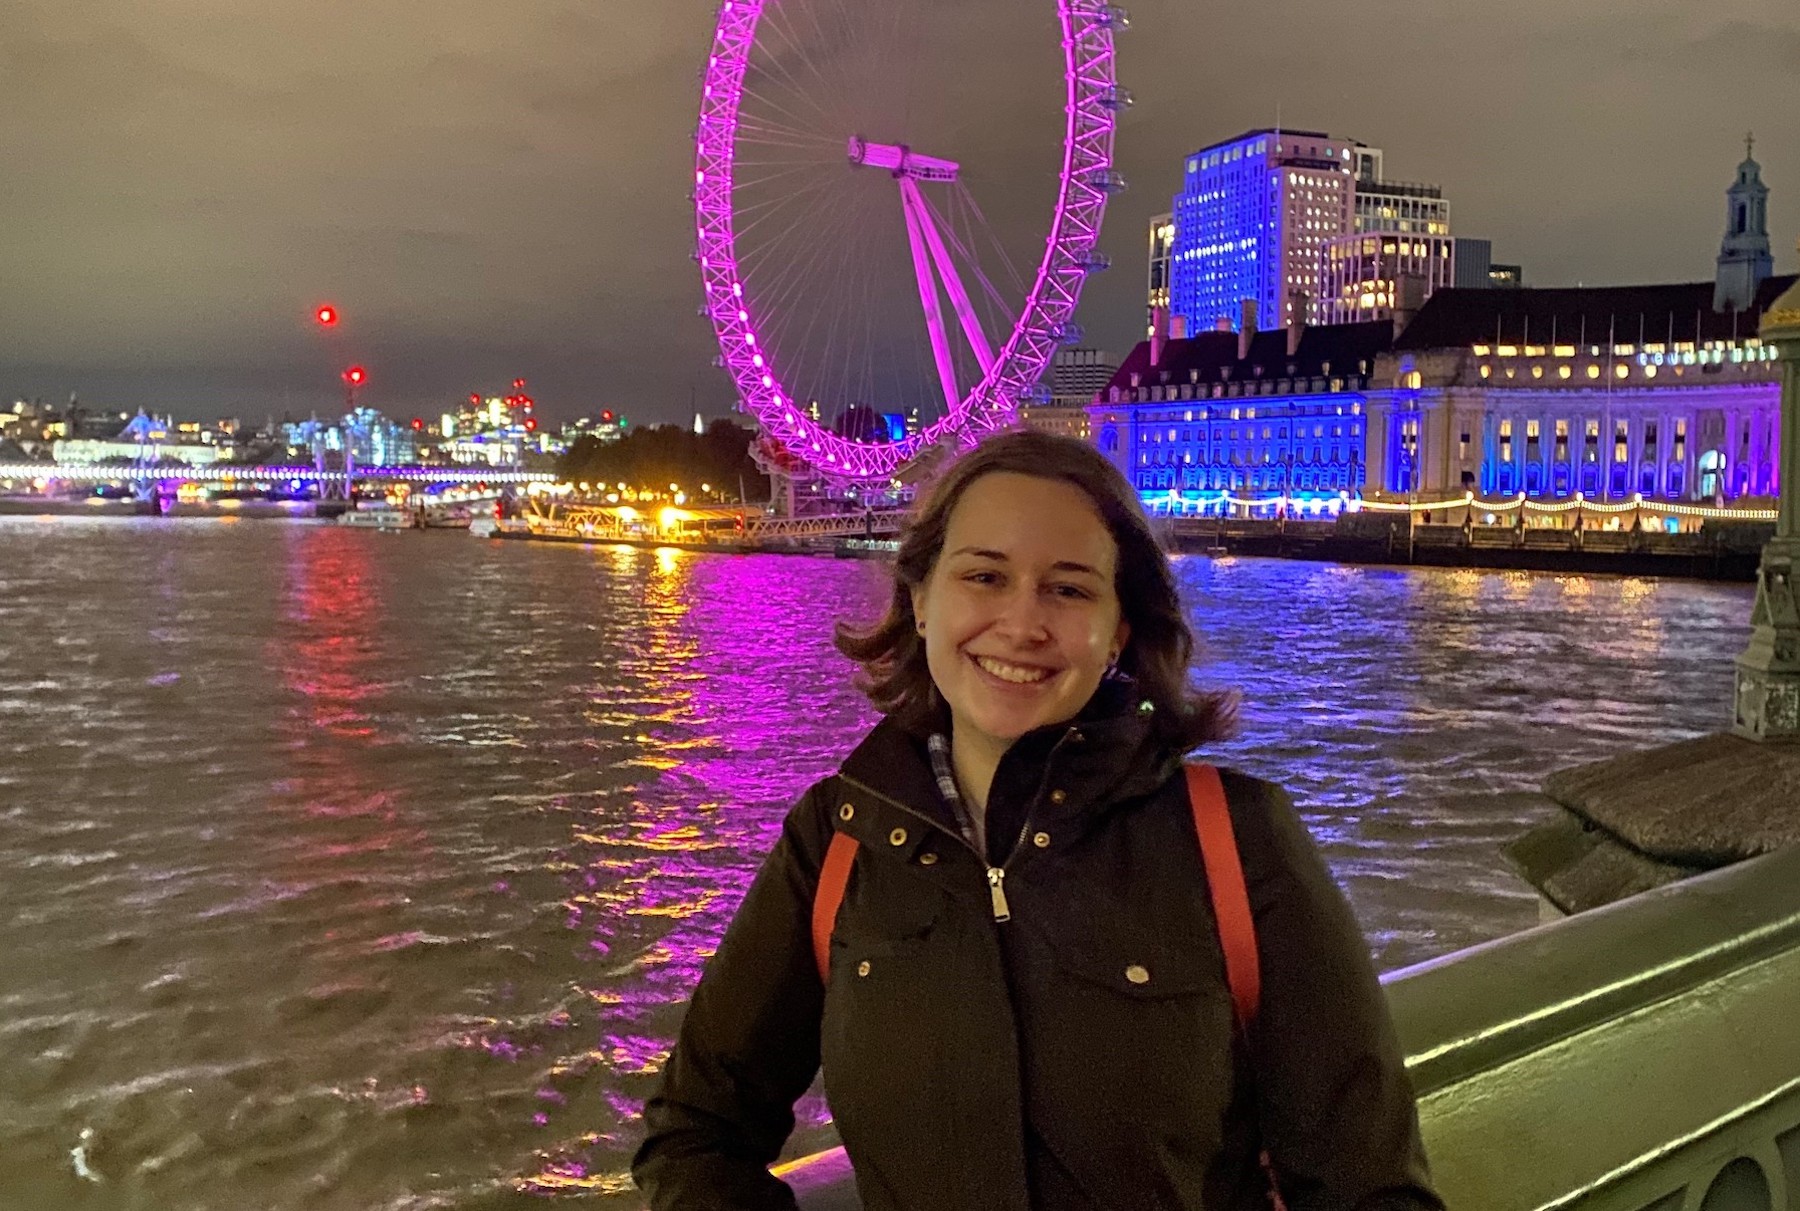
(142,473)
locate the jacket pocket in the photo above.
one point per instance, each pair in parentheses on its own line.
(1125,1017)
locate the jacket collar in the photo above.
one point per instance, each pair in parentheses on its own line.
(1107,753)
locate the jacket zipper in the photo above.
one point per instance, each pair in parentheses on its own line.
(996,875)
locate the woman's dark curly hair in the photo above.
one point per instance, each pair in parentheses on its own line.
(1160,649)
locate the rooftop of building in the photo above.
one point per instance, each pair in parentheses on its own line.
(1632,315)
(1398,189)
(1282,132)
(1212,357)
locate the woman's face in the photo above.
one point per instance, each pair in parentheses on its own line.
(1020,613)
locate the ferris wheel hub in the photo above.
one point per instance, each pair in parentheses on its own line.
(901,160)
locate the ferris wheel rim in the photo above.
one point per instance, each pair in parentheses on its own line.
(1087,178)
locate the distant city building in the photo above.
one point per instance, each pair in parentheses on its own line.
(1251,221)
(1078,376)
(1473,258)
(1226,415)
(1407,207)
(1383,276)
(1400,253)
(145,439)
(609,426)
(1505,277)
(1063,421)
(1162,251)
(1744,259)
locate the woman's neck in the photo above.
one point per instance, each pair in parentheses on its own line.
(975,763)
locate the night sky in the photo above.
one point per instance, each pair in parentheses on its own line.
(495,190)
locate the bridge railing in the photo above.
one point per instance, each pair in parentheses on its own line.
(1644,1056)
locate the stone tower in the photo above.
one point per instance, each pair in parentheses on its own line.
(1744,259)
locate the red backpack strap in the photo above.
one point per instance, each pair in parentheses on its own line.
(1231,905)
(834,877)
(1231,899)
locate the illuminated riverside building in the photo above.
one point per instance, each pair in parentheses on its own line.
(1608,394)
(1661,392)
(1203,424)
(1252,218)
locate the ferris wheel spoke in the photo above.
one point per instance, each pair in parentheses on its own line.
(778,225)
(805,275)
(977,222)
(776,20)
(803,272)
(762,101)
(821,151)
(790,273)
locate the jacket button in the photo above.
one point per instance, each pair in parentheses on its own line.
(862,968)
(1041,840)
(846,811)
(897,837)
(1135,973)
(1058,797)
(927,859)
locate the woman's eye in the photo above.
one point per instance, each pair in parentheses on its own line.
(1072,591)
(982,577)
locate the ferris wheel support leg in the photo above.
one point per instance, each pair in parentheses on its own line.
(916,222)
(959,297)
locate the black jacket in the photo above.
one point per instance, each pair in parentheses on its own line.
(1077,1057)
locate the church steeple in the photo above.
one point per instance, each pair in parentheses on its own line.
(1744,259)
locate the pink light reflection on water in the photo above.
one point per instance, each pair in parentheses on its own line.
(754,709)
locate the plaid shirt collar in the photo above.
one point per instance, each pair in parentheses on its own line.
(939,747)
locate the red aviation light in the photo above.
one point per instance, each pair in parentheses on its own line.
(327,316)
(356,376)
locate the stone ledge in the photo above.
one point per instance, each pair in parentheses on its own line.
(1699,803)
(1643,819)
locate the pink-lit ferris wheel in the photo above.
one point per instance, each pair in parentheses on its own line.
(849,156)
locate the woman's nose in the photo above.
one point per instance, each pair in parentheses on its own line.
(1023,615)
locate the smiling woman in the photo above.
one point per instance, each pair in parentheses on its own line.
(994,927)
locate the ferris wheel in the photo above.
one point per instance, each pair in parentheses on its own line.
(865,305)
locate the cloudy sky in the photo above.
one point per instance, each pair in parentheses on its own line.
(494,190)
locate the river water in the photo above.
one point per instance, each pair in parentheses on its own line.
(371,871)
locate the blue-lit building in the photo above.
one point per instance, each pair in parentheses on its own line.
(1203,423)
(1606,394)
(1251,220)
